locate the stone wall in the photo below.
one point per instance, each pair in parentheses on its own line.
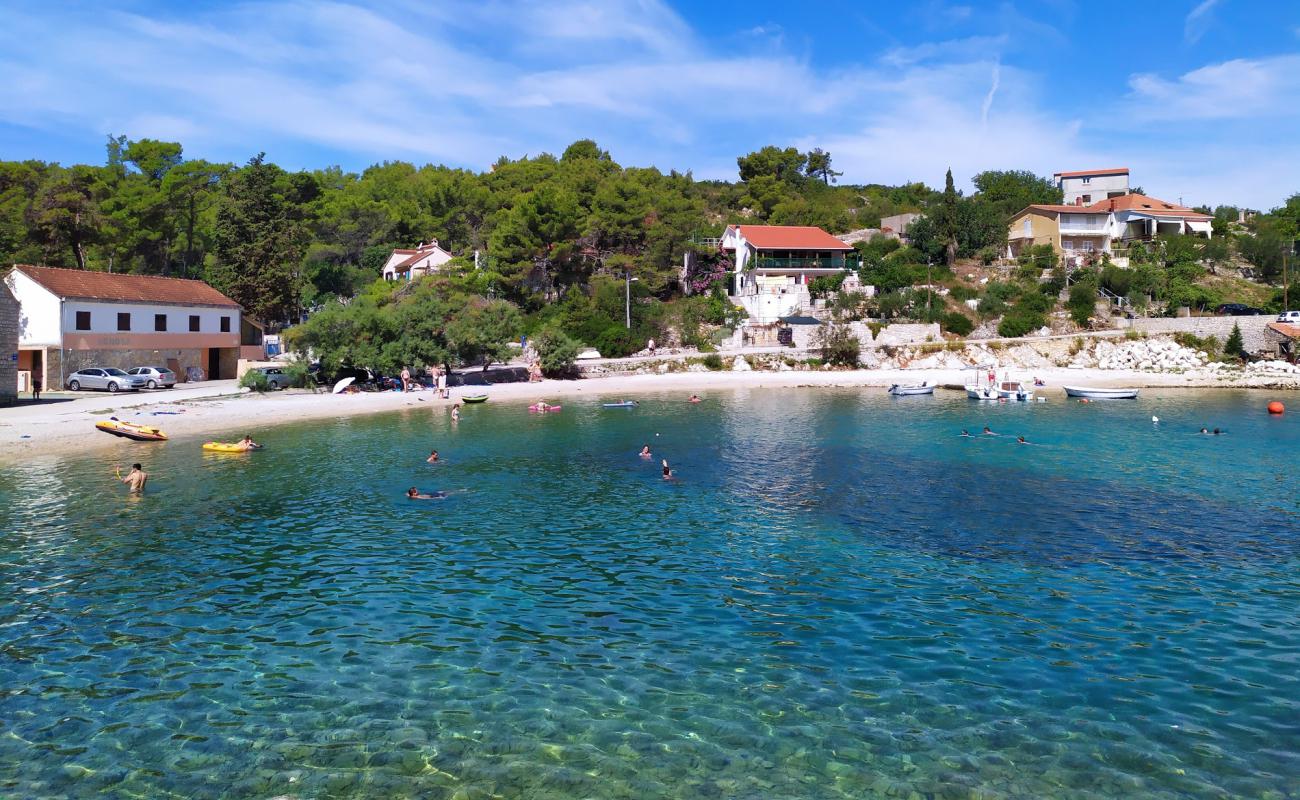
(74,360)
(1252,328)
(8,346)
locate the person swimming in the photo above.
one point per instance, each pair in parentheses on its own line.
(1021,440)
(433,457)
(415,494)
(965,432)
(1217,432)
(1205,430)
(668,473)
(988,431)
(645,451)
(248,444)
(695,398)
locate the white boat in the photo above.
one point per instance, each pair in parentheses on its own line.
(988,386)
(1100,394)
(907,391)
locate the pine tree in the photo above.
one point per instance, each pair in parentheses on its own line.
(948,228)
(1234,347)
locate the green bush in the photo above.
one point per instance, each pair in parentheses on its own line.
(256,381)
(616,342)
(954,322)
(1083,301)
(1208,345)
(299,374)
(838,345)
(557,352)
(712,361)
(1020,322)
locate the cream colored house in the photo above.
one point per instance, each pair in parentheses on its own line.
(1077,231)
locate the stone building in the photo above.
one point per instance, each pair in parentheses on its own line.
(10,313)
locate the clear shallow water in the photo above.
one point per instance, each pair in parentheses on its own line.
(839,598)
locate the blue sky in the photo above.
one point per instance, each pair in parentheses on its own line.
(1201,99)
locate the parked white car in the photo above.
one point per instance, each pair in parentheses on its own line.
(154,376)
(114,380)
(1289,317)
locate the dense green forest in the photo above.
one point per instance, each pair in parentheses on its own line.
(556,238)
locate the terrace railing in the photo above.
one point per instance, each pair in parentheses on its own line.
(828,262)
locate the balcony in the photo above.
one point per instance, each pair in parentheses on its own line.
(797,264)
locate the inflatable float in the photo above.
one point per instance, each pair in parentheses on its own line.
(623,404)
(131,430)
(228,447)
(536,409)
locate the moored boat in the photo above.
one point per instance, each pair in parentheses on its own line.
(898,390)
(131,430)
(1096,393)
(475,398)
(988,386)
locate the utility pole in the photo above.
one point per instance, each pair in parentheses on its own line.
(627,303)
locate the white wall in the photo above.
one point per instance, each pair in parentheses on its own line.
(103,317)
(38,321)
(1099,186)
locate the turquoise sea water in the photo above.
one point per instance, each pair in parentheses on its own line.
(839,597)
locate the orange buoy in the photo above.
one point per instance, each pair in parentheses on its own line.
(1276,408)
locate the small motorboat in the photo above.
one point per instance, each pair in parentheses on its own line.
(536,409)
(995,389)
(620,404)
(475,398)
(898,390)
(1092,393)
(131,430)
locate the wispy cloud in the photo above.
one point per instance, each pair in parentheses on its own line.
(1198,21)
(464,81)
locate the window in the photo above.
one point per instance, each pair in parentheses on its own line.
(124,321)
(194,323)
(1029,227)
(1069,244)
(1087,181)
(225,324)
(83,320)
(1092,219)
(1087,198)
(160,322)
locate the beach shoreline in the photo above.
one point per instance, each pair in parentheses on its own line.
(66,428)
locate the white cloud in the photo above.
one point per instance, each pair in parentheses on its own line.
(462,82)
(1237,89)
(1198,21)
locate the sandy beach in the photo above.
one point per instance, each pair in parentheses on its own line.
(219,410)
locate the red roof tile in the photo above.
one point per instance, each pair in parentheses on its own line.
(86,285)
(1129,202)
(1290,331)
(1091,172)
(790,237)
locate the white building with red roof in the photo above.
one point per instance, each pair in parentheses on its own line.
(1078,231)
(73,318)
(406,265)
(1087,186)
(775,263)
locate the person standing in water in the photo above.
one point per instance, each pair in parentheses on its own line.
(668,473)
(433,458)
(455,412)
(135,479)
(645,451)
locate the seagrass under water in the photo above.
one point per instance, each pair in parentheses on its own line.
(839,597)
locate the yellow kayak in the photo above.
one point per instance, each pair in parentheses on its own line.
(131,430)
(227,447)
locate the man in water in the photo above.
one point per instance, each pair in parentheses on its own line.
(965,432)
(247,443)
(645,451)
(1021,440)
(1205,430)
(989,431)
(135,479)
(415,494)
(695,398)
(668,473)
(433,457)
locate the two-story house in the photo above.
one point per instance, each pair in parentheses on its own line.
(406,265)
(1086,187)
(775,263)
(71,319)
(1076,231)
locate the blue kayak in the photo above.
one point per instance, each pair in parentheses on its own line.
(624,404)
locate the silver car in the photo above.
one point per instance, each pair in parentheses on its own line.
(109,378)
(154,376)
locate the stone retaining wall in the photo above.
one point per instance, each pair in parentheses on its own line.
(1252,328)
(9,313)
